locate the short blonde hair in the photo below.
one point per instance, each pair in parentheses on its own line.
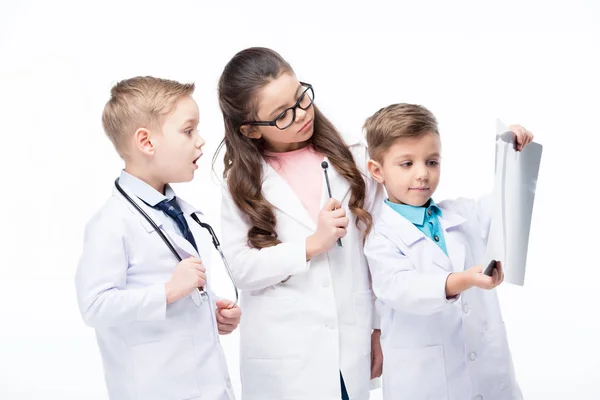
(394,122)
(140,102)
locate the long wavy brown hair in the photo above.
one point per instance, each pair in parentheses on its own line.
(245,74)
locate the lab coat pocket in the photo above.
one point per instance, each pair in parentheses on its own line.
(165,369)
(415,374)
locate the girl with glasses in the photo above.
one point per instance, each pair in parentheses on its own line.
(309,329)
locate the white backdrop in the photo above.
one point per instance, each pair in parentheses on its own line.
(534,63)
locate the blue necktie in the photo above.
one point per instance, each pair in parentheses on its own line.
(172,209)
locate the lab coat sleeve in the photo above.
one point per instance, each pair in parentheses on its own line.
(375,196)
(101,279)
(255,269)
(376,321)
(397,283)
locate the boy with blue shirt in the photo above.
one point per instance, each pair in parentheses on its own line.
(442,332)
(156,320)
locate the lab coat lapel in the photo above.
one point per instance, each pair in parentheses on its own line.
(340,187)
(402,231)
(180,243)
(152,213)
(456,250)
(277,192)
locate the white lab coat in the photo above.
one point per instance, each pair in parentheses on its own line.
(434,348)
(297,335)
(150,350)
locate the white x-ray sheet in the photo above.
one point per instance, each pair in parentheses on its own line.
(514,191)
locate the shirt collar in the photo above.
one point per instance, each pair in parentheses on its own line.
(414,214)
(144,191)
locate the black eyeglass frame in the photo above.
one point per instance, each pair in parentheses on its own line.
(293,108)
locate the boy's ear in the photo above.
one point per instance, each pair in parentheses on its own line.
(375,170)
(143,140)
(250,131)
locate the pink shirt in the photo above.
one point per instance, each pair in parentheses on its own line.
(301,169)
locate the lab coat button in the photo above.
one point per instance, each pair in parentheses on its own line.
(436,238)
(429,212)
(472,356)
(465,308)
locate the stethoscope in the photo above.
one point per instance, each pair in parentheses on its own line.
(215,240)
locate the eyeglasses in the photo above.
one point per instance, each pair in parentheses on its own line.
(288,116)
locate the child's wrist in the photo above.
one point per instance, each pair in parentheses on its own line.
(458,282)
(312,247)
(170,293)
(466,281)
(451,282)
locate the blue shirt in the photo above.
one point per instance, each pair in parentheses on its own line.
(425,219)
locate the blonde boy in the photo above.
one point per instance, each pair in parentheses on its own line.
(158,336)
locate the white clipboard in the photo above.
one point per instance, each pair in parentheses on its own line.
(515,182)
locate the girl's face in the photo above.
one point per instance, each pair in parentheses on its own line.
(277,101)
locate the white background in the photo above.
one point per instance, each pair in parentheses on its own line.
(533,63)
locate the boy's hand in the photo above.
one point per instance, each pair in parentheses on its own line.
(458,282)
(486,282)
(523,136)
(228,317)
(189,274)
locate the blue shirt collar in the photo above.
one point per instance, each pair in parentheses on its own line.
(143,191)
(414,214)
